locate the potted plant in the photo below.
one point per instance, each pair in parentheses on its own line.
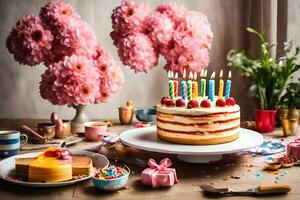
(289,108)
(268,75)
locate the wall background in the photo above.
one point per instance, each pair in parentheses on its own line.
(19,84)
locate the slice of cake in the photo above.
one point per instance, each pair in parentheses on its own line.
(52,167)
(82,165)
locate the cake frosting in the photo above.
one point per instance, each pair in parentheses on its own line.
(198,125)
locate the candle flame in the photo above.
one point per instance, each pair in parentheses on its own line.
(176,75)
(229,75)
(184,73)
(172,75)
(191,75)
(169,72)
(205,73)
(195,75)
(202,73)
(213,75)
(221,73)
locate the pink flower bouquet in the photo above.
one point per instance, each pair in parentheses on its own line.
(79,70)
(181,36)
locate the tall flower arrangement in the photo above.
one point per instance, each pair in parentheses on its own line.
(183,37)
(79,70)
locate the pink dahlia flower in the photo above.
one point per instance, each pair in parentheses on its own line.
(56,13)
(160,29)
(29,42)
(46,87)
(77,81)
(103,60)
(138,52)
(172,11)
(111,83)
(130,17)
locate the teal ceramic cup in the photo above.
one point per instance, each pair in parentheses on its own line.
(10,142)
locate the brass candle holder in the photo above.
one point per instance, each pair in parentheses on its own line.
(126,113)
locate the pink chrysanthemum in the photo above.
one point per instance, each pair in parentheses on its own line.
(77,81)
(71,34)
(46,87)
(56,13)
(111,83)
(103,60)
(29,42)
(173,11)
(130,17)
(137,51)
(160,29)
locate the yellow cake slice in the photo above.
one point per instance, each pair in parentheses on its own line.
(52,169)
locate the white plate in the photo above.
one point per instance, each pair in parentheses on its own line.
(146,139)
(7,167)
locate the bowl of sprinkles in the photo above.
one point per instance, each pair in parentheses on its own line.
(111,178)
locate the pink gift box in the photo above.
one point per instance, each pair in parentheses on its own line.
(293,149)
(159,175)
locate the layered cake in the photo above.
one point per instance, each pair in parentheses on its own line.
(54,165)
(199,121)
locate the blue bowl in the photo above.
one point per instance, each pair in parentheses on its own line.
(111,184)
(146,114)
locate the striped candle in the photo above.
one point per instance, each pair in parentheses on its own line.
(211,87)
(175,82)
(183,86)
(171,85)
(228,86)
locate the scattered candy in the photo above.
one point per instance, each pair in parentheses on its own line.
(111,172)
(109,122)
(142,125)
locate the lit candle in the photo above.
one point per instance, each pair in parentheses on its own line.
(189,86)
(171,85)
(183,85)
(211,87)
(203,82)
(221,86)
(195,86)
(228,86)
(175,82)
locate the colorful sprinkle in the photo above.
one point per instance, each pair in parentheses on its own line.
(111,172)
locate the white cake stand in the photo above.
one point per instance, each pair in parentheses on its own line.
(146,139)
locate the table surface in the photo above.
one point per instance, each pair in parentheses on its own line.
(238,172)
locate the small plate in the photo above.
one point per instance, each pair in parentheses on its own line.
(7,167)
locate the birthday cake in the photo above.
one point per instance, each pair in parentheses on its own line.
(54,165)
(198,120)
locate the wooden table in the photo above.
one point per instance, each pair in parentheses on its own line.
(239,172)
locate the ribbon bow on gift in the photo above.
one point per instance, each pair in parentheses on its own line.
(161,168)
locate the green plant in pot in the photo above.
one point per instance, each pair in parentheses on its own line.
(268,76)
(289,107)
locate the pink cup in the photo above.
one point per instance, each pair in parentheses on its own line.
(94,131)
